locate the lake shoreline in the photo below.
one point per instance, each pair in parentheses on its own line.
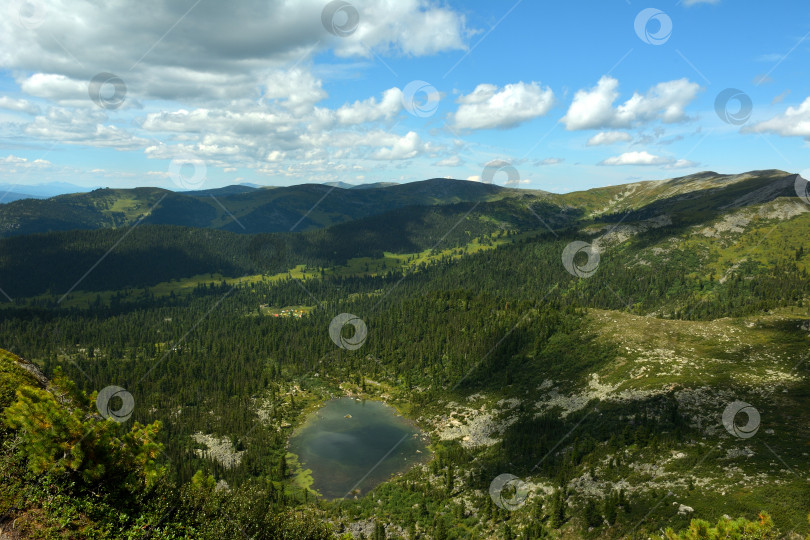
(333,440)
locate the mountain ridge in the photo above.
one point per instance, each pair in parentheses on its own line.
(300,207)
(650,213)
(250,209)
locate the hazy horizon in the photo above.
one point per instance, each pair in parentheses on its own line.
(52,189)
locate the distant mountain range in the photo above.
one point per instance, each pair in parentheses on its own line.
(41,191)
(14,192)
(11,196)
(193,234)
(250,209)
(237,208)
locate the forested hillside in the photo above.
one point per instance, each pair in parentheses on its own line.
(251,210)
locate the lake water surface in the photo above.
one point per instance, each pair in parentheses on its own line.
(358,452)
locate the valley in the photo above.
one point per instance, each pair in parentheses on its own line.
(602,388)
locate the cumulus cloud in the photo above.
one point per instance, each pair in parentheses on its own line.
(645,158)
(635,158)
(269,134)
(213,50)
(593,108)
(297,89)
(56,87)
(609,137)
(489,107)
(405,147)
(411,27)
(371,110)
(215,81)
(794,122)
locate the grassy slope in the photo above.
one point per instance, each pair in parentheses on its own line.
(761,360)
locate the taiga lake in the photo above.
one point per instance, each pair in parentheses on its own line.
(344,440)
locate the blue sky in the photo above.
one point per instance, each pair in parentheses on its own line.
(573,95)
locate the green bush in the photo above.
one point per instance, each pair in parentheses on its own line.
(740,528)
(64,439)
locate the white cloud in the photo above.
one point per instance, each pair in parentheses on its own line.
(370,110)
(247,121)
(452,161)
(298,89)
(681,164)
(411,27)
(16,161)
(609,137)
(794,122)
(488,107)
(645,158)
(216,85)
(56,87)
(549,161)
(636,158)
(81,126)
(214,50)
(276,138)
(18,105)
(405,147)
(593,108)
